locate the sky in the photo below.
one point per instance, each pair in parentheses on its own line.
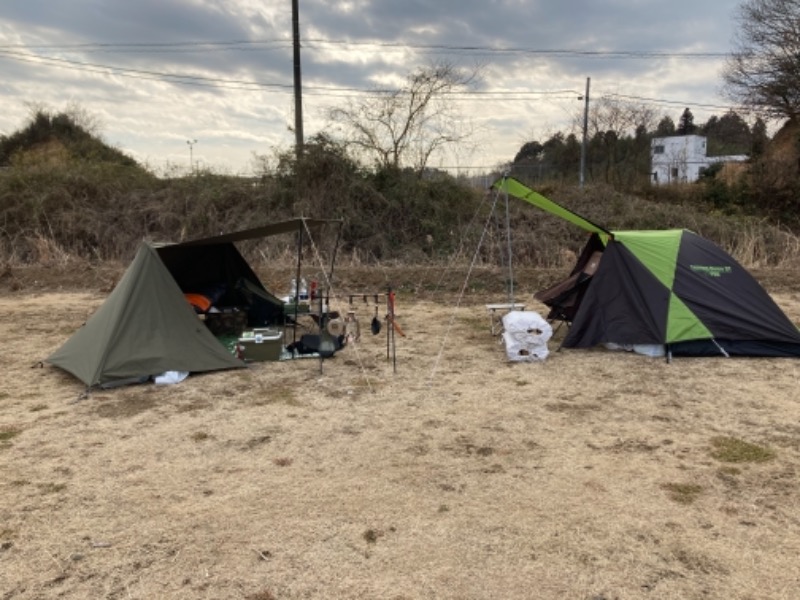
(208,84)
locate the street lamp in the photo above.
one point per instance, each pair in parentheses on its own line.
(191,155)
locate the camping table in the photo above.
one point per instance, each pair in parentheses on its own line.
(294,317)
(305,310)
(306,318)
(496,312)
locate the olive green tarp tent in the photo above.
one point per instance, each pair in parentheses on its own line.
(146,326)
(671,289)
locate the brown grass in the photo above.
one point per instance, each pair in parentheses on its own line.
(459,476)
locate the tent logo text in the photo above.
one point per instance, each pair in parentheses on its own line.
(712,271)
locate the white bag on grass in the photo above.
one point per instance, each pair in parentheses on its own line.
(170,377)
(525,334)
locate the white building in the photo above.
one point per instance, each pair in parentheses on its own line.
(682,158)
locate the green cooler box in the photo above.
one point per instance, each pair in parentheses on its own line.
(260,344)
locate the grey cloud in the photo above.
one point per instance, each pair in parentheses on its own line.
(638,25)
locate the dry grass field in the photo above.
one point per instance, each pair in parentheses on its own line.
(593,475)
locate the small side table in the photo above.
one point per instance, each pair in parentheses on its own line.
(496,313)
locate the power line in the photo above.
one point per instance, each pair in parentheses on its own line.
(138,73)
(321,90)
(667,102)
(239,84)
(90,46)
(215,46)
(561,52)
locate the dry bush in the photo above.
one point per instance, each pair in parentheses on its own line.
(102,212)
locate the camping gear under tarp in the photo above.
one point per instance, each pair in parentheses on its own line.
(147,326)
(671,288)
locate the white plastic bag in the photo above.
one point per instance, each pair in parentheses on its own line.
(170,377)
(651,350)
(525,334)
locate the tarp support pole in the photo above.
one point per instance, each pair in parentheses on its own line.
(297,284)
(335,250)
(510,261)
(321,329)
(391,349)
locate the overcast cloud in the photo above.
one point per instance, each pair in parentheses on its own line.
(114,58)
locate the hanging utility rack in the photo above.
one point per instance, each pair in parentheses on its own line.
(366,297)
(376,299)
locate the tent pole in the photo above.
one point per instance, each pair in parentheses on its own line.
(390,328)
(321,330)
(297,283)
(388,324)
(510,261)
(335,251)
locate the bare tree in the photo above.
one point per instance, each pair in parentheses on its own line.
(622,117)
(763,72)
(616,129)
(405,127)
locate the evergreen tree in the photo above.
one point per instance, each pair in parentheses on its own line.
(666,127)
(530,151)
(686,124)
(759,137)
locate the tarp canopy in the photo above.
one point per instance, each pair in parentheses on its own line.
(146,326)
(289,226)
(521,191)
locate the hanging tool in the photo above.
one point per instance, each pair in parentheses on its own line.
(375,326)
(352,328)
(391,348)
(391,316)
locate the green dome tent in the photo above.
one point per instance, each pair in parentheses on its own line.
(670,288)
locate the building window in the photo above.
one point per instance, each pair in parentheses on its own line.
(658,149)
(674,172)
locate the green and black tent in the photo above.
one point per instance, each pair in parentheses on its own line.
(671,288)
(146,326)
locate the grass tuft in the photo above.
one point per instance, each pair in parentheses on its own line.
(52,488)
(371,535)
(734,450)
(683,493)
(6,435)
(262,595)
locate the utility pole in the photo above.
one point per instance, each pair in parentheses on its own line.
(191,154)
(298,88)
(585,127)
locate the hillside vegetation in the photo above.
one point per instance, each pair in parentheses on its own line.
(67,196)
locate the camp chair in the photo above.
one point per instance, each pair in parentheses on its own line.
(564,298)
